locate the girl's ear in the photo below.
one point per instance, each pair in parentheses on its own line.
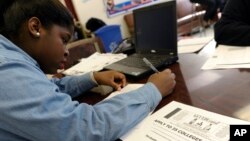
(34,26)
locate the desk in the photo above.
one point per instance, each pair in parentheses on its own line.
(221,91)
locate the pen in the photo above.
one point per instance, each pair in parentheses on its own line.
(150,64)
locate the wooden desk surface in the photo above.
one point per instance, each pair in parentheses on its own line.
(221,91)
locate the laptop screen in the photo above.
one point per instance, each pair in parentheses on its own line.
(156,29)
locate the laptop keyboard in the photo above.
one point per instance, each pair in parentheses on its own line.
(136,60)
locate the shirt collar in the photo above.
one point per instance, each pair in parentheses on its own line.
(7,44)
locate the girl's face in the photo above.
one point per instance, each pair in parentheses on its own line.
(52,52)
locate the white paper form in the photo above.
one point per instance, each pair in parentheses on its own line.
(191,45)
(180,122)
(233,55)
(95,62)
(126,89)
(227,57)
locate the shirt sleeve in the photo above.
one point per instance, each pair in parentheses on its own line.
(122,112)
(234,26)
(75,85)
(36,109)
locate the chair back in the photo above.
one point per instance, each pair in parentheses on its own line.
(83,48)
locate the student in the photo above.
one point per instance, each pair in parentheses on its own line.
(212,7)
(234,26)
(32,43)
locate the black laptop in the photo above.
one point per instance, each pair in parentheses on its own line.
(155,39)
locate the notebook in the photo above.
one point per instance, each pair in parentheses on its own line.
(155,39)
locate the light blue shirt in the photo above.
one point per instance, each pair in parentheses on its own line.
(35,108)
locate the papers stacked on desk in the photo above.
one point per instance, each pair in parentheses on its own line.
(95,62)
(180,122)
(192,45)
(226,57)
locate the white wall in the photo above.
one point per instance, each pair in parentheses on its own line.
(95,8)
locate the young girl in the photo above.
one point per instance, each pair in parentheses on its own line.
(33,38)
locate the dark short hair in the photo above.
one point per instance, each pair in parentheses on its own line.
(15,12)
